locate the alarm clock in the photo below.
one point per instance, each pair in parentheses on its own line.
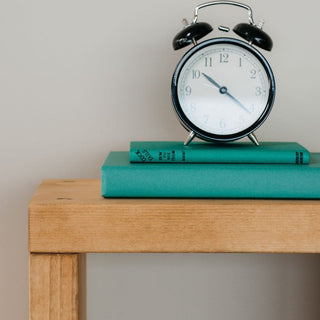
(223,88)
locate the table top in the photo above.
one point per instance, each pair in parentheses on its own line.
(68,216)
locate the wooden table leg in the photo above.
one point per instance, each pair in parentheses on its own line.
(54,286)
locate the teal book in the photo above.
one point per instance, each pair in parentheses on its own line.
(121,178)
(205,152)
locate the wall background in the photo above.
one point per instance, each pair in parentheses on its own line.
(81,78)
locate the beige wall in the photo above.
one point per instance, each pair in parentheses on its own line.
(79,78)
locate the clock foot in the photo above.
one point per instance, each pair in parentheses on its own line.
(189,138)
(253,138)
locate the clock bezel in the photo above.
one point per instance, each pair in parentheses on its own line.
(189,125)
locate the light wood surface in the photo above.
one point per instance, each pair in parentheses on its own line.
(54,287)
(71,216)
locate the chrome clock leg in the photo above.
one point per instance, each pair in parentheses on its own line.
(253,138)
(190,137)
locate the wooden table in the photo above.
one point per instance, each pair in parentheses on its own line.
(68,218)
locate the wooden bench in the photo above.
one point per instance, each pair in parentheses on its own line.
(68,218)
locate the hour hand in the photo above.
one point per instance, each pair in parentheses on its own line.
(211,80)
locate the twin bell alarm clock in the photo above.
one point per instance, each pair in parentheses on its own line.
(223,88)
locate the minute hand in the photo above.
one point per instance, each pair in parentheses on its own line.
(237,101)
(224,90)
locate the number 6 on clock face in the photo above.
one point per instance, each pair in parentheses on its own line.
(223,89)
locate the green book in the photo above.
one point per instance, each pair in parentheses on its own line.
(120,178)
(204,152)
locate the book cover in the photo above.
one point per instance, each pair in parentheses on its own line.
(205,152)
(120,178)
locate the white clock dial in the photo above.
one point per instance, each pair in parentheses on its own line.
(223,88)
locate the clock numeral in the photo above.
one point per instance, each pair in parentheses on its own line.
(253,73)
(222,123)
(188,90)
(224,57)
(208,61)
(258,91)
(240,62)
(195,74)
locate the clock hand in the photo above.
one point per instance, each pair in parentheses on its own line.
(237,101)
(224,90)
(211,80)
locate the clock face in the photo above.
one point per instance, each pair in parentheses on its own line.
(223,88)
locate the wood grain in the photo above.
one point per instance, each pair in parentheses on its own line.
(71,216)
(53,287)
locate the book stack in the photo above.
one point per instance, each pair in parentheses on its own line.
(205,170)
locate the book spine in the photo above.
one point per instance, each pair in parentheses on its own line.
(145,155)
(211,181)
(157,155)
